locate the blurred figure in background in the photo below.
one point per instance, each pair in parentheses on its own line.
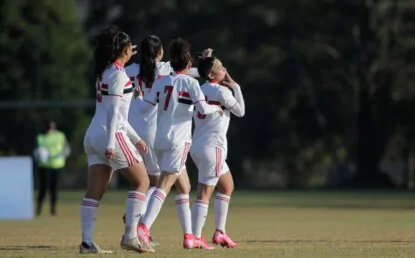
(52,150)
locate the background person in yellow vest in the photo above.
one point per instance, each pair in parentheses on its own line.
(50,155)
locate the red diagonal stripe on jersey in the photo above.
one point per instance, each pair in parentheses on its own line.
(184,94)
(129,83)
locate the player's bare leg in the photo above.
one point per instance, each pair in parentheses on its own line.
(99,177)
(199,214)
(138,178)
(225,188)
(182,186)
(166,181)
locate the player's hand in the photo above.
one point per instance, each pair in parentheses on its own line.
(220,111)
(142,147)
(228,81)
(138,92)
(134,51)
(207,52)
(110,153)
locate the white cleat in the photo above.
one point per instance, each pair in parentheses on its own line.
(93,248)
(136,245)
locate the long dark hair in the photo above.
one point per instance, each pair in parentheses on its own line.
(179,54)
(110,44)
(149,49)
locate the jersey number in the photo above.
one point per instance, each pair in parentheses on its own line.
(168,90)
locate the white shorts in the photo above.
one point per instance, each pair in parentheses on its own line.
(210,162)
(173,160)
(126,154)
(150,159)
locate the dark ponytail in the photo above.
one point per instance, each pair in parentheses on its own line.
(110,44)
(149,49)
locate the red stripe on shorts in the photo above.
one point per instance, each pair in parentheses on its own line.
(125,150)
(218,164)
(184,157)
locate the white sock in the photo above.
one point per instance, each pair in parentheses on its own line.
(133,208)
(88,214)
(199,214)
(150,191)
(183,210)
(154,207)
(221,206)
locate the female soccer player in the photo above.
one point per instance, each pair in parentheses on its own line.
(176,94)
(143,76)
(209,148)
(110,142)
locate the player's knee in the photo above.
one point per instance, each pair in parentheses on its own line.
(140,184)
(226,187)
(184,189)
(204,191)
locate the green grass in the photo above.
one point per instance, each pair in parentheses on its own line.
(265,224)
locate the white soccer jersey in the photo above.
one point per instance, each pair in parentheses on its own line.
(210,130)
(176,95)
(145,124)
(114,82)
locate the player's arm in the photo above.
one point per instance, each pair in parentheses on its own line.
(234,104)
(198,98)
(132,134)
(150,100)
(115,92)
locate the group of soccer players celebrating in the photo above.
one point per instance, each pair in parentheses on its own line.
(142,128)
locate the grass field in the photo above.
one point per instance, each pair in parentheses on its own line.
(271,224)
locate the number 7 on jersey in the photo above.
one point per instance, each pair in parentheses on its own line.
(167,89)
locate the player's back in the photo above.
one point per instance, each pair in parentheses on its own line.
(114,81)
(143,124)
(211,129)
(175,109)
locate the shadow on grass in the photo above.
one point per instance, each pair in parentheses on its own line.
(325,241)
(25,247)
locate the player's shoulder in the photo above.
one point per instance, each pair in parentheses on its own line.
(114,72)
(189,79)
(163,68)
(161,81)
(223,89)
(132,70)
(214,87)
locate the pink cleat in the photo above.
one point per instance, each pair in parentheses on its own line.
(220,238)
(143,235)
(188,241)
(200,243)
